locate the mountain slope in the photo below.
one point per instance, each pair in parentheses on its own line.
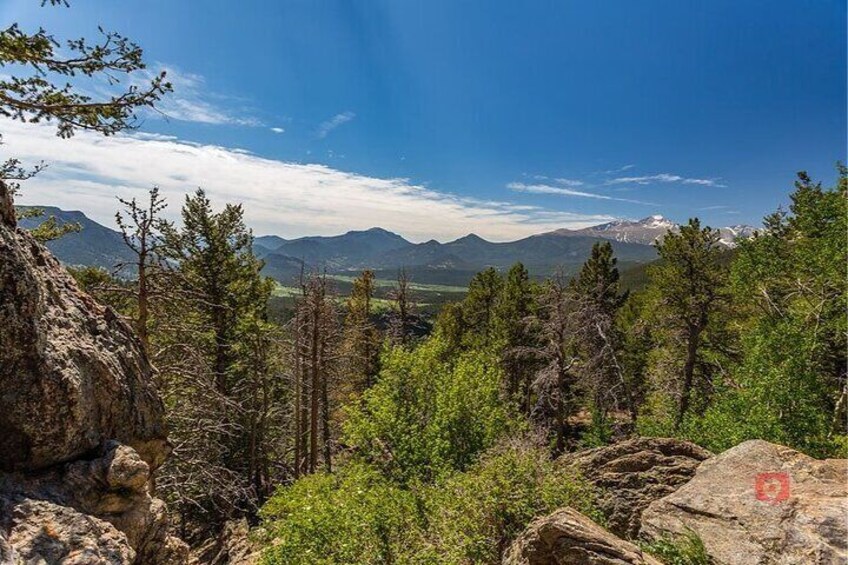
(94,245)
(649,230)
(354,249)
(384,251)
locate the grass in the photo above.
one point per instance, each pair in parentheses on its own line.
(421,287)
(686,549)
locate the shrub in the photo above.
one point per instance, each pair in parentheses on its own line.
(353,516)
(474,516)
(359,517)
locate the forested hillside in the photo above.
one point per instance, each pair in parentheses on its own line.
(423,437)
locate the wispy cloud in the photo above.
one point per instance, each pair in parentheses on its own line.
(569,182)
(664,178)
(560,191)
(289,199)
(338,120)
(278,130)
(618,170)
(192,101)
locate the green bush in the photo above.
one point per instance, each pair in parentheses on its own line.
(474,516)
(429,415)
(781,396)
(352,516)
(359,517)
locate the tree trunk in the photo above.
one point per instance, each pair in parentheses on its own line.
(315,392)
(692,341)
(325,413)
(143,314)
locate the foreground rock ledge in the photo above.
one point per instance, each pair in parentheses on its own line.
(632,474)
(81,425)
(72,374)
(567,537)
(761,503)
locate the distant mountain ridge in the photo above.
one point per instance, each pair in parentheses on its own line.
(94,245)
(648,231)
(452,262)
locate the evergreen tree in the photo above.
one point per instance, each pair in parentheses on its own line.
(478,308)
(214,252)
(512,337)
(790,290)
(557,356)
(599,298)
(219,363)
(140,232)
(32,97)
(31,93)
(689,283)
(362,338)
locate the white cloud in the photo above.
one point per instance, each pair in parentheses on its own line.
(278,130)
(664,178)
(192,101)
(570,182)
(618,170)
(289,199)
(339,119)
(559,191)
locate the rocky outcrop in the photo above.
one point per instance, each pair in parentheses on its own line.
(632,474)
(72,374)
(760,503)
(567,537)
(44,532)
(81,425)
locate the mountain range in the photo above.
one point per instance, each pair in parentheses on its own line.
(454,262)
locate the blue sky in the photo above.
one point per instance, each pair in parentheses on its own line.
(504,118)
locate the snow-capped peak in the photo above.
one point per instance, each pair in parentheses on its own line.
(657,221)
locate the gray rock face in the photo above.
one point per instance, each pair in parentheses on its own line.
(634,473)
(72,374)
(567,537)
(761,503)
(81,425)
(101,507)
(43,532)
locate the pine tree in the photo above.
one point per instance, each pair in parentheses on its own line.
(512,308)
(689,281)
(599,297)
(140,232)
(214,252)
(479,306)
(557,355)
(362,338)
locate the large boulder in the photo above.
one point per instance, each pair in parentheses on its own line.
(72,373)
(567,537)
(99,507)
(632,474)
(760,503)
(81,425)
(44,532)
